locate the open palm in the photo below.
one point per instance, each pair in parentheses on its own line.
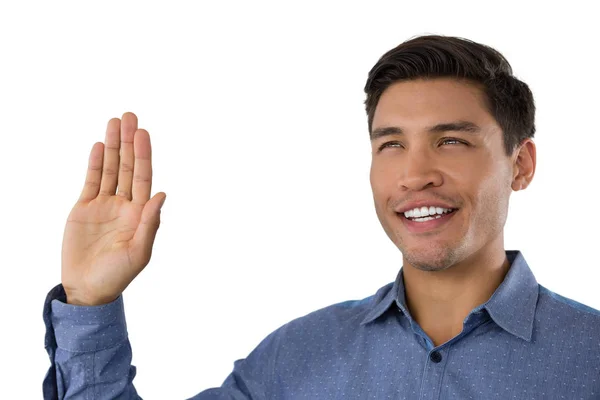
(110,232)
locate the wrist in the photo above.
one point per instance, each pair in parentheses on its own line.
(75,300)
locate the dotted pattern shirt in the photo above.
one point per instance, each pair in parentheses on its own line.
(525,342)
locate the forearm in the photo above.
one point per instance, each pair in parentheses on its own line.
(89,351)
(104,374)
(90,356)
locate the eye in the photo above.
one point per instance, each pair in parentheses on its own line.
(452,141)
(389,144)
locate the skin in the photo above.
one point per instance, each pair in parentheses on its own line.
(452,269)
(111,229)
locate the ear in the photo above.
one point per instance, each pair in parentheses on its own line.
(523,165)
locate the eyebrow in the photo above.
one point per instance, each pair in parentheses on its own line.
(460,126)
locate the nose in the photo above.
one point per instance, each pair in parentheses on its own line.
(418,171)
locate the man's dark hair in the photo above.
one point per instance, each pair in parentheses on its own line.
(509,100)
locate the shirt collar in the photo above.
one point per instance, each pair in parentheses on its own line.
(512,306)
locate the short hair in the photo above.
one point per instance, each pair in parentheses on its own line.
(508,99)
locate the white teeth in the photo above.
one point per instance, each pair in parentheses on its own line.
(427,218)
(420,212)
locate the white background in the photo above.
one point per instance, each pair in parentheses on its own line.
(255,112)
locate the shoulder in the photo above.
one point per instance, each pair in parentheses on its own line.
(330,323)
(344,314)
(340,316)
(555,311)
(570,306)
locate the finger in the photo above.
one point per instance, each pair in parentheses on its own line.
(142,170)
(94,173)
(129,124)
(145,234)
(108,185)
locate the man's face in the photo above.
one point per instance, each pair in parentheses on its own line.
(461,169)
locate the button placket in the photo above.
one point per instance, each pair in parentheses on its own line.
(434,373)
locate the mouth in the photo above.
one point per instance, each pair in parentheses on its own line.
(428,223)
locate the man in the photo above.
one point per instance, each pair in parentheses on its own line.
(451,134)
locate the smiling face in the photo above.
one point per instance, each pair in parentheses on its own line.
(440,146)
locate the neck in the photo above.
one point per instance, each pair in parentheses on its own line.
(439,301)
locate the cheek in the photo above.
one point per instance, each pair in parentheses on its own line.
(479,183)
(491,201)
(381,183)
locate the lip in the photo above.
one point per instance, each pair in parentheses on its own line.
(421,227)
(423,203)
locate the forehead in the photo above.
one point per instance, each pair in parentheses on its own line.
(426,101)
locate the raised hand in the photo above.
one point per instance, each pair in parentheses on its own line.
(109,233)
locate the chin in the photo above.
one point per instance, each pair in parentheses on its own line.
(431,258)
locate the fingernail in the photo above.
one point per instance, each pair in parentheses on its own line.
(162,202)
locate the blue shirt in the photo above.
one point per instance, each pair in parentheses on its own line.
(525,342)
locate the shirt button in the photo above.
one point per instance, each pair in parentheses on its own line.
(435,356)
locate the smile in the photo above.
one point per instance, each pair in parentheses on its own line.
(426,218)
(427,213)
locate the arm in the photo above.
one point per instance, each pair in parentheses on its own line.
(107,242)
(90,356)
(89,350)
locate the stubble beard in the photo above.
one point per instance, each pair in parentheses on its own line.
(442,255)
(438,258)
(439,255)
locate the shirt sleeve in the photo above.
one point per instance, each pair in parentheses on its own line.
(89,351)
(90,356)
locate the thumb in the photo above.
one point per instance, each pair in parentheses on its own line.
(143,238)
